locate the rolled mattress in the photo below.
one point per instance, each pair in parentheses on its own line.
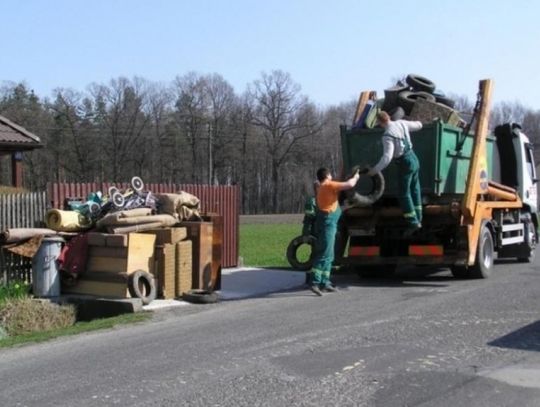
(66,221)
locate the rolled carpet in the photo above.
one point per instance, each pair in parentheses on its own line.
(66,221)
(15,235)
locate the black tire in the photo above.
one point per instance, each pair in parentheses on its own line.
(420,83)
(200,297)
(356,199)
(397,113)
(485,253)
(142,285)
(443,100)
(391,97)
(407,99)
(292,252)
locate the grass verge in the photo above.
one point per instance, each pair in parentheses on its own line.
(79,327)
(265,245)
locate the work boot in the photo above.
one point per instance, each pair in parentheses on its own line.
(316,290)
(329,288)
(412,229)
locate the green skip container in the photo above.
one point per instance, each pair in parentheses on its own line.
(443,151)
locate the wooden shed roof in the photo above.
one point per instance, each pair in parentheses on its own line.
(16,138)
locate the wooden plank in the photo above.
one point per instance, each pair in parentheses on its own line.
(184,267)
(365,96)
(98,288)
(201,234)
(118,252)
(141,252)
(171,235)
(110,264)
(165,271)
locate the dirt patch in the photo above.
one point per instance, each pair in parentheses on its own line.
(290,218)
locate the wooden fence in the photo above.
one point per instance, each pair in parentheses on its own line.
(23,210)
(223,200)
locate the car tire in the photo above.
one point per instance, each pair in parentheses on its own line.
(420,83)
(292,252)
(198,296)
(142,285)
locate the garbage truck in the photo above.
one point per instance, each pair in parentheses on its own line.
(479,199)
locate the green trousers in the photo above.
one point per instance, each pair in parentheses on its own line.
(409,192)
(326,224)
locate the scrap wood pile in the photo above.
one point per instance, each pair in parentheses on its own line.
(415,98)
(130,243)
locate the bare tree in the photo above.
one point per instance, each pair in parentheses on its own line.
(119,115)
(280,115)
(190,117)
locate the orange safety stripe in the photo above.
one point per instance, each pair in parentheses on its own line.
(426,250)
(364,251)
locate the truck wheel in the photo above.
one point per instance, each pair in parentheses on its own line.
(292,252)
(483,265)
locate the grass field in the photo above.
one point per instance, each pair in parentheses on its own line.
(264,244)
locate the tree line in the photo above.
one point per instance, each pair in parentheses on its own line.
(270,139)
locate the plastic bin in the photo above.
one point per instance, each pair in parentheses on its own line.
(45,274)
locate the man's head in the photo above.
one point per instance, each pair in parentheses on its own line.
(383,118)
(323,173)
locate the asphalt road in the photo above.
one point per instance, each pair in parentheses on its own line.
(421,339)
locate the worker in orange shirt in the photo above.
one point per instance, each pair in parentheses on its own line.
(328,213)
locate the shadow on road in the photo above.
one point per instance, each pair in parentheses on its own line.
(526,338)
(406,276)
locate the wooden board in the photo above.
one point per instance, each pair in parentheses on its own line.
(98,288)
(183,269)
(118,252)
(201,234)
(168,235)
(165,266)
(138,255)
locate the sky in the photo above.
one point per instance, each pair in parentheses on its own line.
(333,49)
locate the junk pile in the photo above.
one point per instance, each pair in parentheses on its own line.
(415,98)
(130,243)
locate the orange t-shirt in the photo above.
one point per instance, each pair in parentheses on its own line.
(327,196)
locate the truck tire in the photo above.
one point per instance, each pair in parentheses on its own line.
(420,83)
(407,99)
(443,100)
(292,252)
(356,199)
(142,285)
(485,253)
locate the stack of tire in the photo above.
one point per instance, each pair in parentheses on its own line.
(399,100)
